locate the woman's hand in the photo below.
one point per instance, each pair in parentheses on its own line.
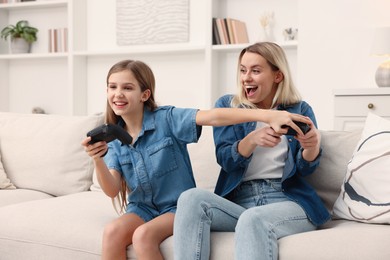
(96,150)
(310,142)
(265,136)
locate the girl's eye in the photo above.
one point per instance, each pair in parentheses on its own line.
(256,71)
(112,86)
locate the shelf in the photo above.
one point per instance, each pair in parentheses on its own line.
(33,56)
(33,5)
(234,47)
(148,49)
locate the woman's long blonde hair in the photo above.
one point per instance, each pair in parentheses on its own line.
(286,93)
(145,78)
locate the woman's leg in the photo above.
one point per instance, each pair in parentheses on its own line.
(148,237)
(118,235)
(259,228)
(198,212)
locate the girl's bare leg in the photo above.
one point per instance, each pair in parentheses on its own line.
(148,237)
(118,235)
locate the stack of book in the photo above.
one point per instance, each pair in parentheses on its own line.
(229,31)
(58,40)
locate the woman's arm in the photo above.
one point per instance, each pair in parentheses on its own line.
(230,116)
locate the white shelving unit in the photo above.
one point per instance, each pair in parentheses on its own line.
(191,74)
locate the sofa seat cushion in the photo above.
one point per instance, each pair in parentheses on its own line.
(9,197)
(66,227)
(338,240)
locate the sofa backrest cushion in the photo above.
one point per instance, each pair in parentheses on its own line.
(203,160)
(44,152)
(337,149)
(5,183)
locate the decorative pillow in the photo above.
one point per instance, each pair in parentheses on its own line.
(365,193)
(44,153)
(5,183)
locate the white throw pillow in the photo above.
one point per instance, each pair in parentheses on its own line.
(5,183)
(44,153)
(365,193)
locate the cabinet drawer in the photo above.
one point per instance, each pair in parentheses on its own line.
(361,105)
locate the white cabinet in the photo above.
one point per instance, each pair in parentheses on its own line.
(190,74)
(352,106)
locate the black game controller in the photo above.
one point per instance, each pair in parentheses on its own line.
(108,133)
(303,126)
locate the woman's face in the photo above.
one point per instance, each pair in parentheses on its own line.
(258,80)
(124,94)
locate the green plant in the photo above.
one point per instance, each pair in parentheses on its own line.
(20,30)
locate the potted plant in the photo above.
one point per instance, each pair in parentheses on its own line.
(21,36)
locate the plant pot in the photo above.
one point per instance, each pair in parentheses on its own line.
(20,45)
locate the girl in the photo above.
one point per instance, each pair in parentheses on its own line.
(155,169)
(261,193)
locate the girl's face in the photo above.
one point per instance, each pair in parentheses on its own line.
(258,80)
(124,94)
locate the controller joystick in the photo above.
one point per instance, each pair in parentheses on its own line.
(108,133)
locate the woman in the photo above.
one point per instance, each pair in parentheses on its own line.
(261,193)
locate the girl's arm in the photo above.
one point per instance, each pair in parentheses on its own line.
(231,116)
(109,180)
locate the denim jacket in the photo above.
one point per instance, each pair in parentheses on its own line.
(157,167)
(294,185)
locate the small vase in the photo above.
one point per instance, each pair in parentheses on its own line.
(20,45)
(266,34)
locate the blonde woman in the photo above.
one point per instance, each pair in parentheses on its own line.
(261,193)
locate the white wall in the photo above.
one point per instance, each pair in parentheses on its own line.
(334,49)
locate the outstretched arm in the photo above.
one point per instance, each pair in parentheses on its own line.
(231,116)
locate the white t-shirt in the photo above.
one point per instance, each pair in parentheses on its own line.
(267,162)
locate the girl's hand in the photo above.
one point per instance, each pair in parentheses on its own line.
(96,150)
(280,120)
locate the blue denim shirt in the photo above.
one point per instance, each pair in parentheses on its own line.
(294,185)
(157,166)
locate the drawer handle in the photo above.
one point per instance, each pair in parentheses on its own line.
(370,105)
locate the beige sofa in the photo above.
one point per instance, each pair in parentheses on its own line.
(58,211)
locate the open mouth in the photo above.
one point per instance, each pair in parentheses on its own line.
(250,90)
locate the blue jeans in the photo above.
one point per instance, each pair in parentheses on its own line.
(257,211)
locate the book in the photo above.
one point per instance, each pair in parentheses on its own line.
(222,31)
(58,40)
(216,39)
(240,31)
